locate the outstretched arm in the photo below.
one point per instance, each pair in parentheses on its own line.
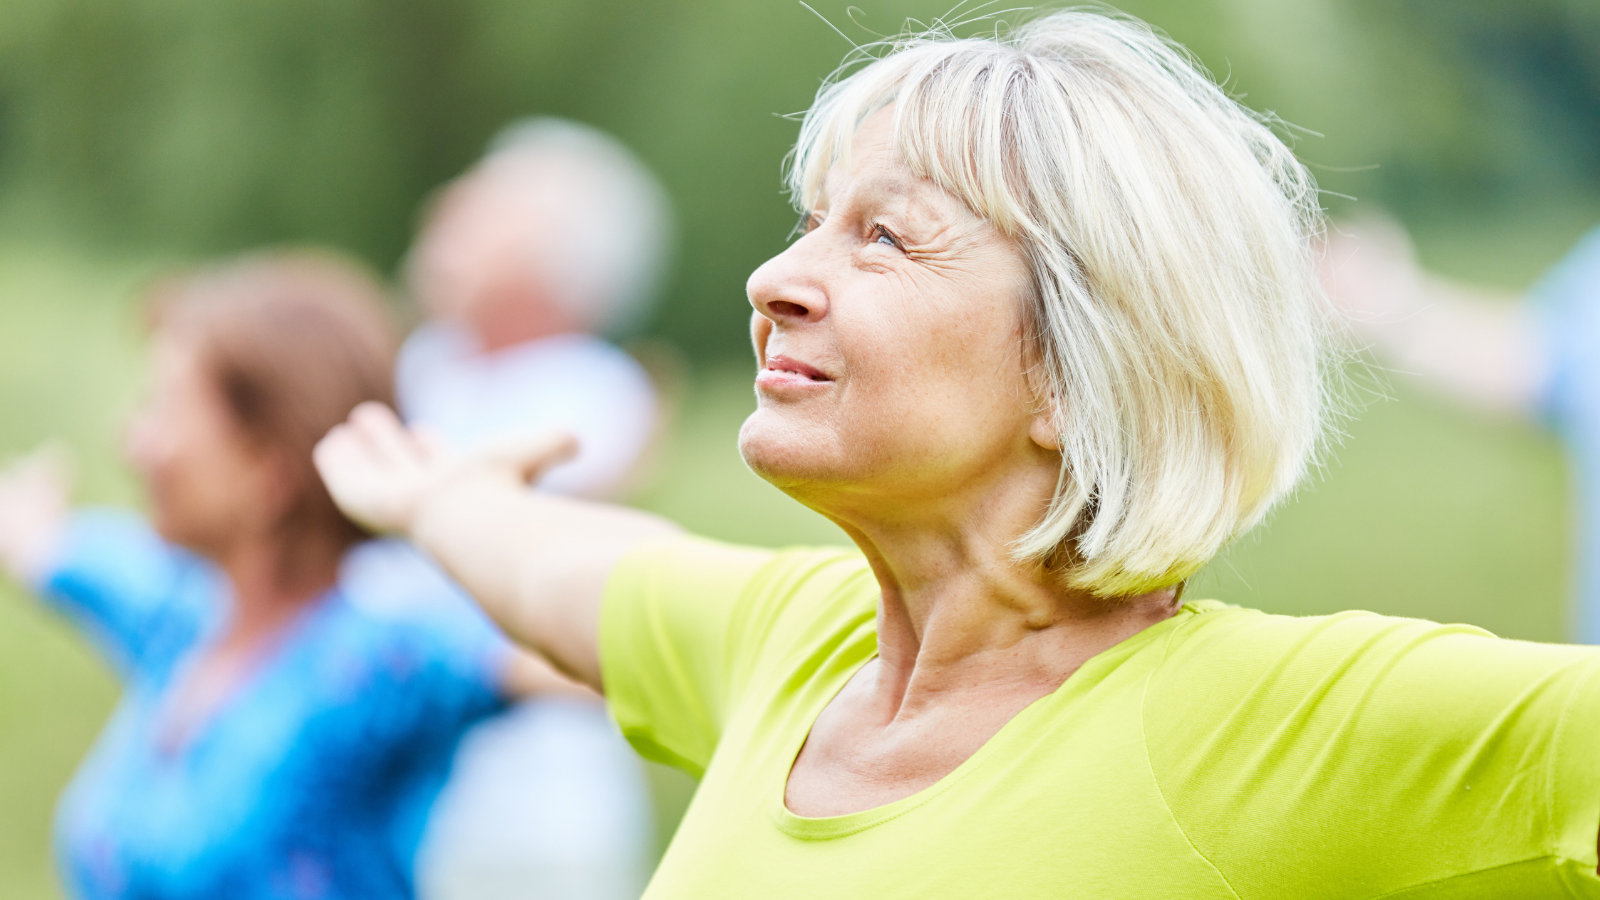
(537,563)
(1474,344)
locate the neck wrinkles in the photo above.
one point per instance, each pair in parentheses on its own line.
(960,616)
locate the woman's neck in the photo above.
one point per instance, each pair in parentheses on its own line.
(959,613)
(264,596)
(263,603)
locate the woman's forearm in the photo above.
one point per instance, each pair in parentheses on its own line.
(1482,349)
(537,563)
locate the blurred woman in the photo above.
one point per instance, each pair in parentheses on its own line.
(274,738)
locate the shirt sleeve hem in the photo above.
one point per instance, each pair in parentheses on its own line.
(627,580)
(1574,776)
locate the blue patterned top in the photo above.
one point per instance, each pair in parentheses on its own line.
(314,778)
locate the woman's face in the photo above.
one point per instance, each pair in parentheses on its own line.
(475,264)
(889,343)
(209,488)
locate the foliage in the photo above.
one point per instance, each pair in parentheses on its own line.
(192,127)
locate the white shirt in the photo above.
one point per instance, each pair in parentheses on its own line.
(572,382)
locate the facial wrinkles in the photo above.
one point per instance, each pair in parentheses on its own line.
(935,304)
(914,327)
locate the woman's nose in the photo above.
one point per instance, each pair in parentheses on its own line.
(788,288)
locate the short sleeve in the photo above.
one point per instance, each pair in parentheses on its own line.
(1367,756)
(140,600)
(666,641)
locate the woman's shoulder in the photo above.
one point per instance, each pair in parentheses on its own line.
(744,603)
(143,601)
(809,593)
(699,564)
(1225,654)
(758,583)
(1215,622)
(1370,740)
(1240,637)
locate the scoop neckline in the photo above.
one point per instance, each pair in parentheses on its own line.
(822,828)
(271,657)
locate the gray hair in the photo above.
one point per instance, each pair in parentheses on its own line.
(608,260)
(1183,343)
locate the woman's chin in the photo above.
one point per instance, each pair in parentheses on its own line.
(780,453)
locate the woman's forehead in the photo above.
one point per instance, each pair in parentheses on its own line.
(875,173)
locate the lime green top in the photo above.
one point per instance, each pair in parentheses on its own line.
(1222,753)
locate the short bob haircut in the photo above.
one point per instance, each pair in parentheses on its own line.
(1178,332)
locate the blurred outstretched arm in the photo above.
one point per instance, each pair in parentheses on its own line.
(537,563)
(1477,345)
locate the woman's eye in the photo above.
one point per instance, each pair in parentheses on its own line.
(884,237)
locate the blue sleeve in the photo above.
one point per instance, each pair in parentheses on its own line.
(1566,306)
(400,677)
(140,600)
(436,680)
(425,685)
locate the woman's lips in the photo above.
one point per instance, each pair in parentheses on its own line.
(781,371)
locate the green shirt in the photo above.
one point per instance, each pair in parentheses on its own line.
(1222,753)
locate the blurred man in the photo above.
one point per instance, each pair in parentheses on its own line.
(558,236)
(1537,355)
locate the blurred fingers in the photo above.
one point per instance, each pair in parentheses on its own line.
(532,457)
(381,431)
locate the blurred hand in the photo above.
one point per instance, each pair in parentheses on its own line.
(1477,344)
(34,492)
(380,473)
(1371,274)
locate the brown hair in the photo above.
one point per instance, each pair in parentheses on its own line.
(294,339)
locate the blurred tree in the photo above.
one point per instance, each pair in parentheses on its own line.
(1512,107)
(196,127)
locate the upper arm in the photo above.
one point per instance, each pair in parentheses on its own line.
(669,629)
(1402,751)
(125,586)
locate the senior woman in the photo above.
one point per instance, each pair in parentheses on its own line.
(1051,338)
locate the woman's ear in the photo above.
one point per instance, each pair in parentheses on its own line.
(1043,430)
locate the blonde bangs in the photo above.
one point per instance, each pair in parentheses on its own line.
(1183,343)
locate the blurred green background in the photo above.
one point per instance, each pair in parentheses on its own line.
(139,133)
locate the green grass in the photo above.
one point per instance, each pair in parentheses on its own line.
(1424,510)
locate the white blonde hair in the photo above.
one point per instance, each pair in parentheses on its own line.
(1180,337)
(608,258)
